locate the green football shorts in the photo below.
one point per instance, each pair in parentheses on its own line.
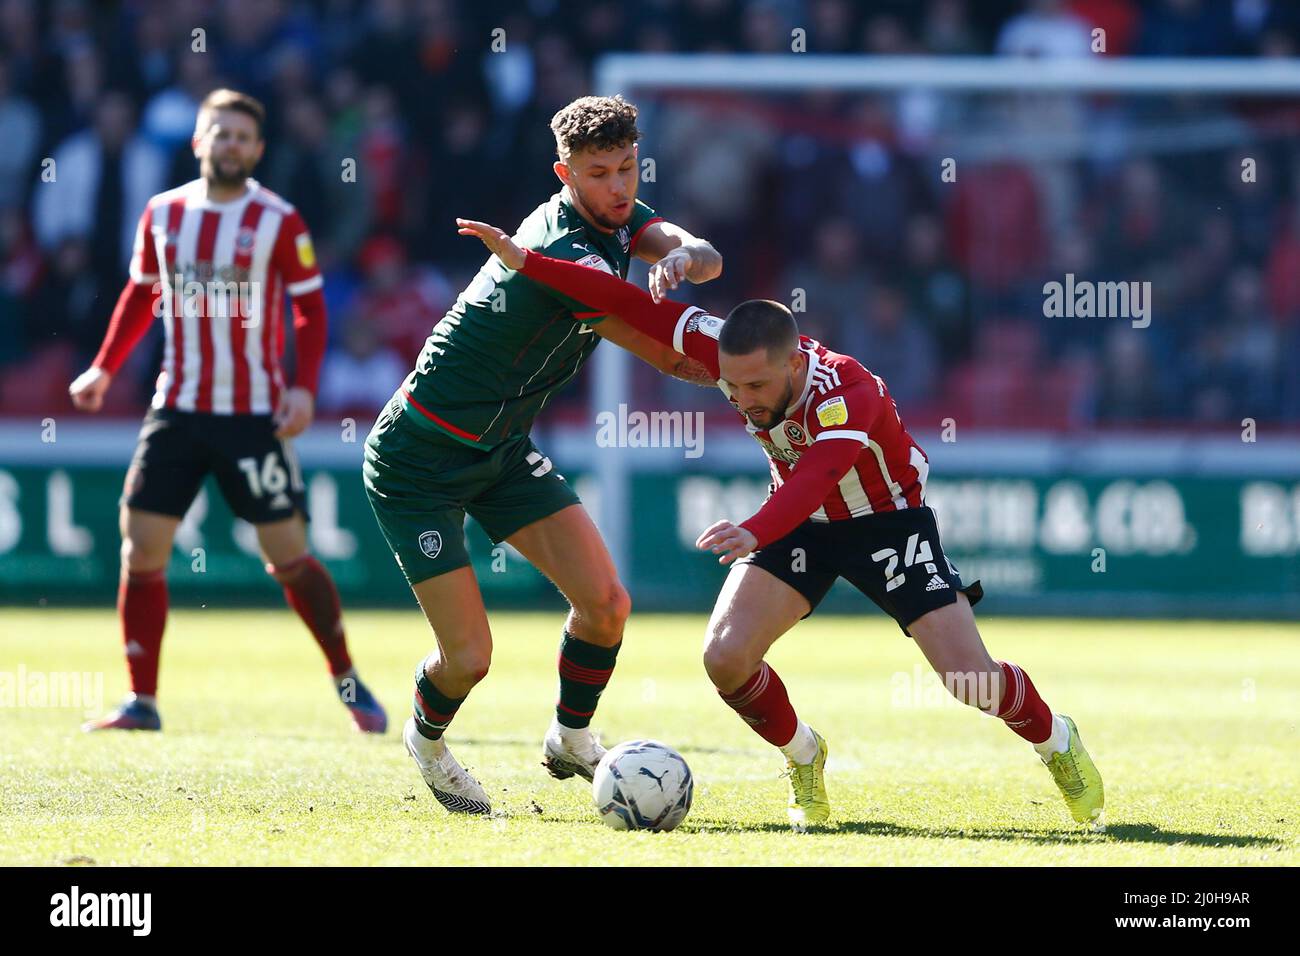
(421,484)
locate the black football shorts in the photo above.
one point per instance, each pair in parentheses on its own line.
(258,474)
(893,557)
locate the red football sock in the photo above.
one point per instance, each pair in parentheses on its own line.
(763,704)
(142,608)
(310,591)
(1021,708)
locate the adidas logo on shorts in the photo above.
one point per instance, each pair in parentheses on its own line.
(936,583)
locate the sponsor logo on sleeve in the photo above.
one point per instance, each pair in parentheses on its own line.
(705,324)
(306,254)
(833,411)
(594,261)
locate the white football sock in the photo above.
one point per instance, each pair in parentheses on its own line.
(1059,742)
(429,750)
(802,748)
(571,734)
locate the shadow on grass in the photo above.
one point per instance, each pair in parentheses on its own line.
(1115,833)
(607,742)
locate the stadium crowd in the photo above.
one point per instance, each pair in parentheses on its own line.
(937,285)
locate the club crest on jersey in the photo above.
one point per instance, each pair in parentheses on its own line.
(787,455)
(431,544)
(833,411)
(795,433)
(624,238)
(244,240)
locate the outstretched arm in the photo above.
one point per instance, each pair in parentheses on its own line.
(658,320)
(818,471)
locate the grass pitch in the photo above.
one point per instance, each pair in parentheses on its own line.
(1193,726)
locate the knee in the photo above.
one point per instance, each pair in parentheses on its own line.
(727,662)
(607,612)
(289,571)
(137,558)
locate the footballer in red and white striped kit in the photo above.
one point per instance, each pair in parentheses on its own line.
(847,500)
(215,258)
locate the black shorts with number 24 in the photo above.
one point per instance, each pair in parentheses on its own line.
(893,557)
(258,474)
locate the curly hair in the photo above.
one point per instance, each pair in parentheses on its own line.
(596,122)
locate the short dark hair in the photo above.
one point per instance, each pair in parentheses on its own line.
(233,100)
(599,122)
(759,324)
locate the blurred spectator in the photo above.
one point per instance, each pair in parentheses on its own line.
(308,170)
(1045,29)
(897,347)
(401,304)
(85,217)
(361,375)
(20,131)
(1128,389)
(835,285)
(936,288)
(947,29)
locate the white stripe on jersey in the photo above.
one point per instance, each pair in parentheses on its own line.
(223,359)
(159,238)
(855,496)
(187,251)
(895,489)
(306,285)
(259,383)
(844,433)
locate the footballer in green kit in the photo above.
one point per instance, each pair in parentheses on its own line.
(454,440)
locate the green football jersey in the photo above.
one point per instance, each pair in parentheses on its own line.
(509,343)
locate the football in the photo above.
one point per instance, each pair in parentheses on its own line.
(642,785)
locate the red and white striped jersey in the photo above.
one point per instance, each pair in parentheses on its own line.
(840,399)
(223,270)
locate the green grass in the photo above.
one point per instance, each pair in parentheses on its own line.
(1193,726)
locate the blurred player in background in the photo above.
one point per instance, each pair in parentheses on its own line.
(454,440)
(847,500)
(221,406)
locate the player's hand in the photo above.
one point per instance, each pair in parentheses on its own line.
(669,272)
(295,412)
(88,388)
(723,536)
(495,239)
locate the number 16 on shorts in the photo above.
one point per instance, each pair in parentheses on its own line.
(916,552)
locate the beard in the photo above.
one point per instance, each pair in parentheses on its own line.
(769,418)
(213,172)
